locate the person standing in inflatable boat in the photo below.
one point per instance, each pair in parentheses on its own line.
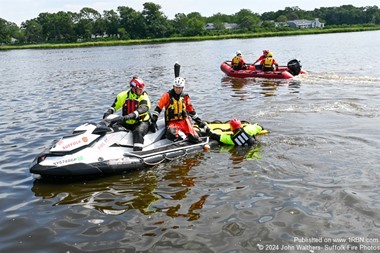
(241,136)
(178,109)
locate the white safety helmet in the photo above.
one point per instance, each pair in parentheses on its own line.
(179,82)
(238,52)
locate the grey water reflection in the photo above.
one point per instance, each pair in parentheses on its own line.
(138,190)
(251,88)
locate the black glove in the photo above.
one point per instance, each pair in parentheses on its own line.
(154,118)
(120,119)
(107,113)
(116,120)
(215,136)
(126,117)
(201,124)
(207,131)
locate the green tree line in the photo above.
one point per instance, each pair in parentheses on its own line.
(126,23)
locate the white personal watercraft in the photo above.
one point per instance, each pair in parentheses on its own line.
(106,148)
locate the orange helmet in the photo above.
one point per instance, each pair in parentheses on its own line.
(235,124)
(137,83)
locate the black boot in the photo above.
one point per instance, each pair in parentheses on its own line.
(193,139)
(137,148)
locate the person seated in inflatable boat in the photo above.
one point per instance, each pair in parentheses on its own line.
(238,62)
(241,136)
(261,58)
(268,62)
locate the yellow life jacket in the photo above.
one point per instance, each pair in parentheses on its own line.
(236,61)
(268,62)
(176,109)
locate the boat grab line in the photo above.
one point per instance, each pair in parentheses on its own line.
(165,158)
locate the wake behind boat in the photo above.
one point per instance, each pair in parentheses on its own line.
(103,148)
(292,69)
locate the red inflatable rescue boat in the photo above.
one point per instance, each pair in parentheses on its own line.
(292,69)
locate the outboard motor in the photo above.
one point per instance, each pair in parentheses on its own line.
(294,67)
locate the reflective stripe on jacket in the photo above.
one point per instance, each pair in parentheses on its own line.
(241,138)
(249,130)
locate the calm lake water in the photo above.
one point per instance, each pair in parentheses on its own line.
(312,185)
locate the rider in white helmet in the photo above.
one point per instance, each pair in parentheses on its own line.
(178,108)
(179,82)
(238,62)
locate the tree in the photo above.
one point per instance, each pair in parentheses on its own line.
(157,25)
(99,28)
(282,18)
(292,16)
(33,31)
(132,22)
(86,25)
(112,22)
(268,25)
(65,27)
(219,18)
(10,31)
(180,23)
(57,27)
(271,15)
(189,25)
(127,23)
(247,20)
(196,15)
(195,26)
(4,32)
(219,25)
(372,14)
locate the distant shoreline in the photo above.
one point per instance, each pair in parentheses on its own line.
(189,39)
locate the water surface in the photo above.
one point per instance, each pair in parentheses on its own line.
(315,176)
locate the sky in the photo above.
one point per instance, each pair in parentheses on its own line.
(17,11)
